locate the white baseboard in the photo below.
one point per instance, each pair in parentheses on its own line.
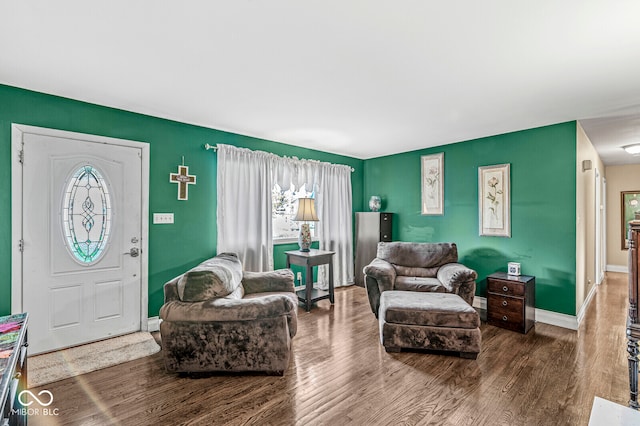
(546,317)
(585,305)
(557,319)
(153,324)
(617,268)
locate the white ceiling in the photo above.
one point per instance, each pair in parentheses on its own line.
(359,78)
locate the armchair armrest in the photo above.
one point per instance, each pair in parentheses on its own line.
(272,281)
(171,290)
(382,271)
(458,279)
(380,276)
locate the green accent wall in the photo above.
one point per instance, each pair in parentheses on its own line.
(543,193)
(172,248)
(543,206)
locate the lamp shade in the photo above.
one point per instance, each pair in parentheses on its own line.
(306,210)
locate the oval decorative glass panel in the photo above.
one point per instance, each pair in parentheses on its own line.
(86,215)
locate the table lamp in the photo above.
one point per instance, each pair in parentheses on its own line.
(306,213)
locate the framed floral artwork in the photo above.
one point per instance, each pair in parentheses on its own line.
(494,200)
(630,205)
(432,184)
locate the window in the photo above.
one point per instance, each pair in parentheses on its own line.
(86,215)
(284,208)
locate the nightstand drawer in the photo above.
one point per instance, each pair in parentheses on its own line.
(509,307)
(506,312)
(507,288)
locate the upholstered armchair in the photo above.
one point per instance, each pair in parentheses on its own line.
(217,317)
(427,267)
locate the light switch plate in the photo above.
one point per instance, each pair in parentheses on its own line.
(162,218)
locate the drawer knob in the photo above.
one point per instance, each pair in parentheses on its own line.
(504,303)
(504,318)
(18,375)
(505,288)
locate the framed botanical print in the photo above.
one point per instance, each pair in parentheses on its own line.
(494,200)
(432,184)
(630,205)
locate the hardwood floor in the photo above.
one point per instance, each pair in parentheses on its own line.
(340,374)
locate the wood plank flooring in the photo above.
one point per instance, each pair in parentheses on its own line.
(341,375)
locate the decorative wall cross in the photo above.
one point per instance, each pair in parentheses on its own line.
(183,179)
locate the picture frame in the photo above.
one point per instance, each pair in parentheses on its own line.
(432,184)
(629,205)
(494,200)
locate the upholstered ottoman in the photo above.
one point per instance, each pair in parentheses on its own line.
(422,320)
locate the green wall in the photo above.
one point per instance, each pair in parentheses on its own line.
(172,248)
(543,206)
(543,185)
(280,261)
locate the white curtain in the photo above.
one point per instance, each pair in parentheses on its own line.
(244,206)
(334,207)
(287,171)
(245,181)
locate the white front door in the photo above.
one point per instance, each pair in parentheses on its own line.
(81,240)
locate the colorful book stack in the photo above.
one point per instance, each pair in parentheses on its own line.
(9,334)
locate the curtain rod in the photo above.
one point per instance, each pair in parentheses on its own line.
(208,146)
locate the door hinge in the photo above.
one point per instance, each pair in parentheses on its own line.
(21,245)
(21,156)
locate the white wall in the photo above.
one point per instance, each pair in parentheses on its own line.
(585,216)
(619,178)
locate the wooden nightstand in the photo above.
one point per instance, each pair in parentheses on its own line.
(511,301)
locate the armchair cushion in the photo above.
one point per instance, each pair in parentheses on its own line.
(226,309)
(217,277)
(417,271)
(419,284)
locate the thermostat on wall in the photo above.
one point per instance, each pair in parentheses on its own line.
(513,268)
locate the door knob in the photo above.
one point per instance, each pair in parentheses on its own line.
(134,252)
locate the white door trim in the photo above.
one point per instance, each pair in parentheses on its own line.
(599,272)
(17,131)
(604,224)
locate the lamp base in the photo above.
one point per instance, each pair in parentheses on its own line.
(304,239)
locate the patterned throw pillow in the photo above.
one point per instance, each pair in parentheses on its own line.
(216,277)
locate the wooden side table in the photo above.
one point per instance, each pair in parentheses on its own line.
(511,301)
(309,259)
